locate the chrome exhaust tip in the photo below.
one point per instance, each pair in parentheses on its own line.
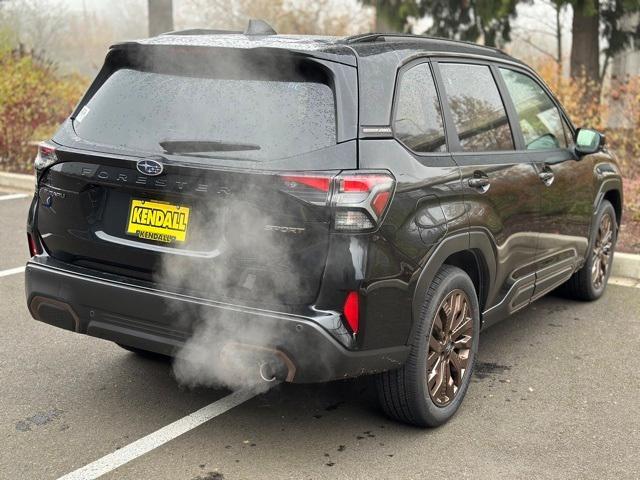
(272,365)
(274,370)
(266,373)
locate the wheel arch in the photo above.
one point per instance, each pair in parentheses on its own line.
(614,196)
(472,252)
(473,264)
(611,190)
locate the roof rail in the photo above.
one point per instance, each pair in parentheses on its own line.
(201,31)
(366,37)
(259,27)
(374,37)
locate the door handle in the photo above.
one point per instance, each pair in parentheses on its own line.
(480,183)
(547,177)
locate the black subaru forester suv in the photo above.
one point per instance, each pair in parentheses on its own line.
(367,204)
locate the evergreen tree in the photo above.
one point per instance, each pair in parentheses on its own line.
(488,21)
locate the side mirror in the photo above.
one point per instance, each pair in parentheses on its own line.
(588,141)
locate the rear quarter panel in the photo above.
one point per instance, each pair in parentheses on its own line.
(427,206)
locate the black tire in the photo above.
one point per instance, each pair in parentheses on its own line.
(404,394)
(144,353)
(581,285)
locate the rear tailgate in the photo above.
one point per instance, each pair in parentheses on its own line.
(222,217)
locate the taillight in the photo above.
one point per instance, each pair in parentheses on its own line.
(34,248)
(316,182)
(46,156)
(359,198)
(380,202)
(312,188)
(351,311)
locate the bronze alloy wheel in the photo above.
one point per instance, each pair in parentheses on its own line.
(602,251)
(450,343)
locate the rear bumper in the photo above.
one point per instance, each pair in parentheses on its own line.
(161,321)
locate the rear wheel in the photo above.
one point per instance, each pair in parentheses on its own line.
(428,389)
(590,281)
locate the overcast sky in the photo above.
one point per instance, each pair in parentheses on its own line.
(535,16)
(532,30)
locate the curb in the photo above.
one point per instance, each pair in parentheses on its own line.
(17,181)
(626,265)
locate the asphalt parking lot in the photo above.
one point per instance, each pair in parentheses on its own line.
(556,395)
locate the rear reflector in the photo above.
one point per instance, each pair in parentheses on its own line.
(351,311)
(34,248)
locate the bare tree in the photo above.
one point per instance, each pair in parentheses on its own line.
(324,17)
(37,24)
(538,28)
(98,29)
(160,16)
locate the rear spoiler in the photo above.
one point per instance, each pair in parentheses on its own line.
(273,44)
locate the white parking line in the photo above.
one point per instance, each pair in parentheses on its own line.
(14,196)
(159,437)
(11,271)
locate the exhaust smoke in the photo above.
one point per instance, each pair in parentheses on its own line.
(250,243)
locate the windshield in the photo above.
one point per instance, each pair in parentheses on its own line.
(250,119)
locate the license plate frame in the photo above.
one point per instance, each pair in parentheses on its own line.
(158,221)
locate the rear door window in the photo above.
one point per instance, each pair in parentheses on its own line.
(418,118)
(478,113)
(539,118)
(243,116)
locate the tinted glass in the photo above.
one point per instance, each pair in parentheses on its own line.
(418,121)
(478,111)
(539,118)
(243,118)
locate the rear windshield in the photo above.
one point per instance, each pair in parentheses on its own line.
(244,115)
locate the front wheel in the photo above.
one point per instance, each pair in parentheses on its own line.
(590,281)
(428,389)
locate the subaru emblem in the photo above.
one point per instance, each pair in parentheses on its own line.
(150,167)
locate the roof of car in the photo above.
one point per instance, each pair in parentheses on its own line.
(379,43)
(365,45)
(316,46)
(213,38)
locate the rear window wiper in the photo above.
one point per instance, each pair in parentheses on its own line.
(204,146)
